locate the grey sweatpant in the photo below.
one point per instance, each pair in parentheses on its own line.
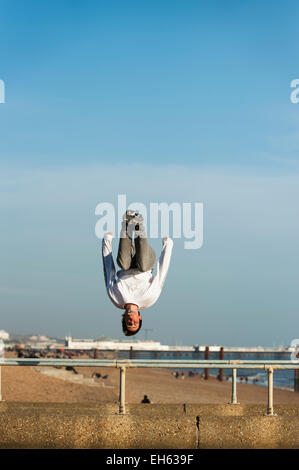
(135,254)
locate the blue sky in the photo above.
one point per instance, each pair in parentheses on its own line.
(190,101)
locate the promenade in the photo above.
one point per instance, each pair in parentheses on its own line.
(193,426)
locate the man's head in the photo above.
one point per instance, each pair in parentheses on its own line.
(131,320)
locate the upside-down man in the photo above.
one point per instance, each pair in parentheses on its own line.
(134,287)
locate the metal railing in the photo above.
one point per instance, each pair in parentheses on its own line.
(268,365)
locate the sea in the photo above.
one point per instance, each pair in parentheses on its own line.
(283,379)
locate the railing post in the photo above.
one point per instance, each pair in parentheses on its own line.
(122,391)
(270,411)
(296,380)
(0,383)
(234,387)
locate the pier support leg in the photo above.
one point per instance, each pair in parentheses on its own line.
(234,387)
(270,411)
(221,357)
(207,357)
(122,391)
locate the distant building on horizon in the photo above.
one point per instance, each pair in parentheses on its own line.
(39,338)
(121,345)
(4,335)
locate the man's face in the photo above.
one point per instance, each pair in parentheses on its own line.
(132,319)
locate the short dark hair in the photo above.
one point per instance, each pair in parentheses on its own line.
(126,332)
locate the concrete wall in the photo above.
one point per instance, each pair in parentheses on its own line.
(38,425)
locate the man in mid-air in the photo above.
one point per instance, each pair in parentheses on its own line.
(134,287)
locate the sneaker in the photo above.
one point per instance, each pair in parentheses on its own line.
(129,215)
(137,220)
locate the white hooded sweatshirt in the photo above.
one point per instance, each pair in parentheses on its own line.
(133,286)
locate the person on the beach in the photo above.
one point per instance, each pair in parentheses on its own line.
(145,399)
(134,287)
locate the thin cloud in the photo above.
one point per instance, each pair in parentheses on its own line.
(21,291)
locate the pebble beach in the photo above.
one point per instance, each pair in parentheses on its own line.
(33,384)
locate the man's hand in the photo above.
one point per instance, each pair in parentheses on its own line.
(108,235)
